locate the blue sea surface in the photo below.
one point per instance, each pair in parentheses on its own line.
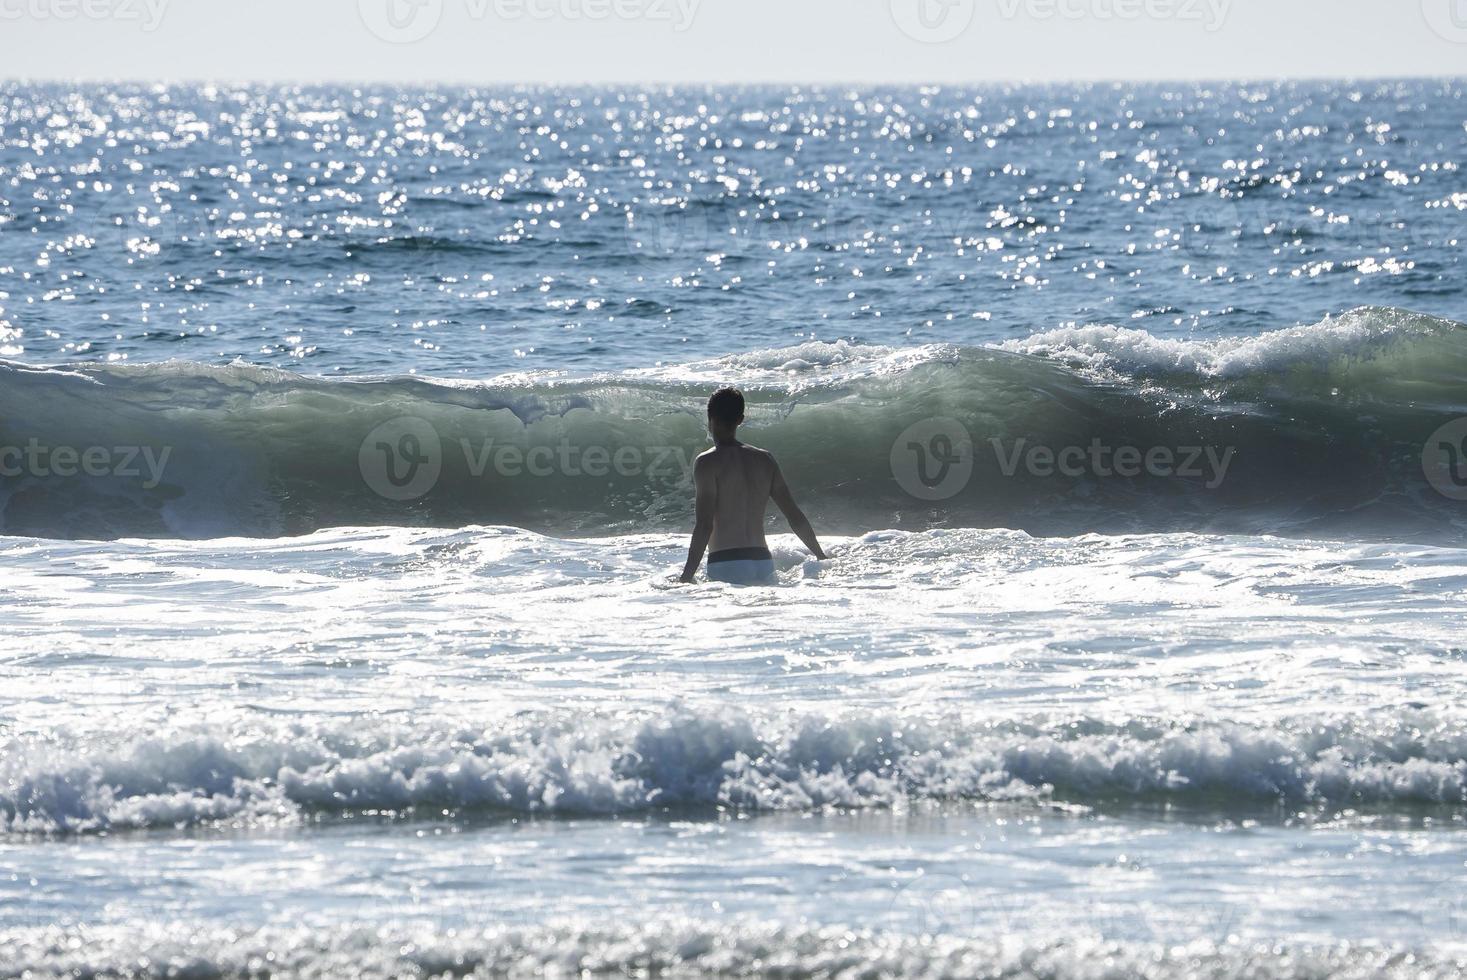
(470,233)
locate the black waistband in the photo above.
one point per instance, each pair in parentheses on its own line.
(740,554)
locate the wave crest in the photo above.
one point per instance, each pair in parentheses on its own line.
(1323,430)
(570,764)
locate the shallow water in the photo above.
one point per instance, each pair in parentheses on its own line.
(1150,740)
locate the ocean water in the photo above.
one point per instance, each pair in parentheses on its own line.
(344,445)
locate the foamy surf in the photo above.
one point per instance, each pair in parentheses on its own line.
(681,948)
(718,759)
(1367,347)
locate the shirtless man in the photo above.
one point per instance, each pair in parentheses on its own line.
(734,485)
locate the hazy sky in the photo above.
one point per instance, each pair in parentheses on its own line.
(728,40)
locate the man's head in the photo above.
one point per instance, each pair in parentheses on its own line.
(725,411)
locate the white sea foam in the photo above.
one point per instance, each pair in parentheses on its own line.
(583,764)
(1359,335)
(799,368)
(678,948)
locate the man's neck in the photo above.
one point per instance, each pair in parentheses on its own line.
(723,441)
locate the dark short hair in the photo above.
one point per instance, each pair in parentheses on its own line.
(727,406)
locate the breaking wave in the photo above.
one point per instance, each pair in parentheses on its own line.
(676,948)
(1318,430)
(578,764)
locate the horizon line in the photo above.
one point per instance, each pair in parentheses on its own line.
(775,83)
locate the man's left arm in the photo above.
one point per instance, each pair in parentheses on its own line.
(799,523)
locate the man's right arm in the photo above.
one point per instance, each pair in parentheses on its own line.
(799,523)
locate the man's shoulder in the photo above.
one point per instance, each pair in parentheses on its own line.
(719,457)
(758,453)
(706,461)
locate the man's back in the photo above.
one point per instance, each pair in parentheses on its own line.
(743,479)
(734,484)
